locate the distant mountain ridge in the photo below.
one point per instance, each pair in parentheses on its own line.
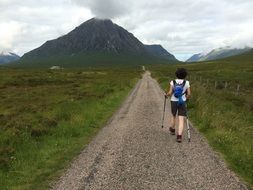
(159,51)
(96,36)
(218,53)
(196,57)
(8,57)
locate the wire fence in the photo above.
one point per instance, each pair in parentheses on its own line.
(238,92)
(227,85)
(231,86)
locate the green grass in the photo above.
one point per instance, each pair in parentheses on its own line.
(91,60)
(47,117)
(225,118)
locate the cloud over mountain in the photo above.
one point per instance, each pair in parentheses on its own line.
(105,9)
(183,27)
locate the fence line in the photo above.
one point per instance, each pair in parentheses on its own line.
(234,86)
(216,84)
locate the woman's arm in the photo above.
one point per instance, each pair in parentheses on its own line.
(169,91)
(188,93)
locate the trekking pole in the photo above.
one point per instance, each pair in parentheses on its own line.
(164,107)
(188,127)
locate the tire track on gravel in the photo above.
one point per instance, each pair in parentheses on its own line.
(133,152)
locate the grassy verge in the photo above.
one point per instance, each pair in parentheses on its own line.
(224,117)
(47,117)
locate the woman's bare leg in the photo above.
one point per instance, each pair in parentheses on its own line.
(180,125)
(173,122)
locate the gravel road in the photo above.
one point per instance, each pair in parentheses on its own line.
(133,152)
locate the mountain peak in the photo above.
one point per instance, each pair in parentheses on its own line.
(97,20)
(6,53)
(95,36)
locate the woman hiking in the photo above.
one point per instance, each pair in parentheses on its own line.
(179,91)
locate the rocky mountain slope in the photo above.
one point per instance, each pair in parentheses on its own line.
(159,51)
(96,36)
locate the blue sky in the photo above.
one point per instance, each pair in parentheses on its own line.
(183,27)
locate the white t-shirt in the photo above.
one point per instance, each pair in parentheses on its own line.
(180,81)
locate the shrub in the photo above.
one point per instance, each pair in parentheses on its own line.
(6,155)
(39,131)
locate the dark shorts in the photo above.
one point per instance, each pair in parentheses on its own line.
(178,109)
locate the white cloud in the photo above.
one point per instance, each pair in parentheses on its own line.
(105,9)
(183,27)
(9,31)
(33,23)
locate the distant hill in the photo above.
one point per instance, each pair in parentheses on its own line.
(196,57)
(246,57)
(94,41)
(159,51)
(217,54)
(8,57)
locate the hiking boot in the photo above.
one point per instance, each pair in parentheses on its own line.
(172,131)
(179,138)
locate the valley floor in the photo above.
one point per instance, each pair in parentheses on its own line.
(133,152)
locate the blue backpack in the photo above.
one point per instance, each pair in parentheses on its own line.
(178,90)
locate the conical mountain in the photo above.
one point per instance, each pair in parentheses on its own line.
(93,37)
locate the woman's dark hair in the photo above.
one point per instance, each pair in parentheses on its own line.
(181,73)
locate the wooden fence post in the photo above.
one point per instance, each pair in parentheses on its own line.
(237,89)
(226,84)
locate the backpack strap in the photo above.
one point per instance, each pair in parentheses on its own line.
(183,84)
